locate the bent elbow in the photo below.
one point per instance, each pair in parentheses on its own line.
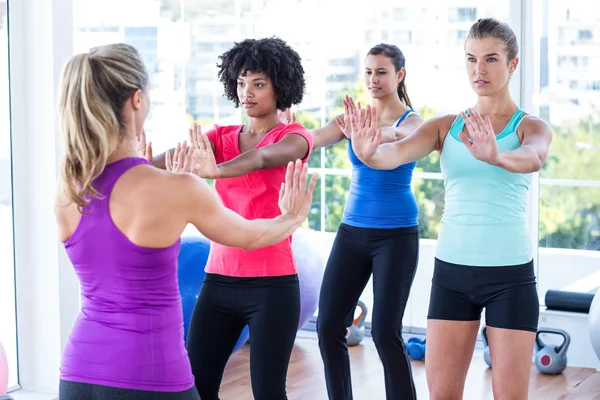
(249,245)
(252,242)
(538,162)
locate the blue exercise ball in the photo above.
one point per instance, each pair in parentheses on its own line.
(190,273)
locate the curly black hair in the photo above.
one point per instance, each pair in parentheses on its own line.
(271,56)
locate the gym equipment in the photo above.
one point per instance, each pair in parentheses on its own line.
(355,333)
(551,359)
(594,324)
(415,348)
(3,371)
(190,273)
(192,259)
(486,348)
(568,301)
(311,267)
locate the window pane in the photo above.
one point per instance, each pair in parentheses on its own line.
(182,40)
(314,217)
(336,192)
(430,199)
(8,327)
(569,205)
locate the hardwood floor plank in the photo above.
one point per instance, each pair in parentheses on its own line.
(306,379)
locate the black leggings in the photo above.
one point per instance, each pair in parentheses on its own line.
(270,306)
(392,256)
(85,391)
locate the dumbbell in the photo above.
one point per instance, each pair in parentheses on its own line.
(415,348)
(486,349)
(355,333)
(551,359)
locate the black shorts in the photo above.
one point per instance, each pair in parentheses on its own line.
(509,295)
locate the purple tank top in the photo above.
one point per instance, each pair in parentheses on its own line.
(129,332)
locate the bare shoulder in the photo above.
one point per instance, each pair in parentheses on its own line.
(67,216)
(413,119)
(447,119)
(442,124)
(414,116)
(160,185)
(536,123)
(534,128)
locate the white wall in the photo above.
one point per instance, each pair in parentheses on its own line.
(40,43)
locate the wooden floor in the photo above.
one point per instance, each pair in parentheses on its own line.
(306,381)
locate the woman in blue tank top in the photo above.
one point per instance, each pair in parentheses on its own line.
(378,235)
(484,257)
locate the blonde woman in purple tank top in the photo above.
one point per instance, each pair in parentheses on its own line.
(120,220)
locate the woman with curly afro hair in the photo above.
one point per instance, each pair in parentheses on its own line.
(258,288)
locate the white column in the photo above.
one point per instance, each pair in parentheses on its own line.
(41,37)
(529,36)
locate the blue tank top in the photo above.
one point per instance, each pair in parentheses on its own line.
(380,198)
(484,221)
(129,333)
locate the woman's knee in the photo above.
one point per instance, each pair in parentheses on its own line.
(330,326)
(386,333)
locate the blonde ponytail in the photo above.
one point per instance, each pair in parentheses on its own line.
(94,88)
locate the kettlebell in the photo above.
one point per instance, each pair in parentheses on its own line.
(415,348)
(486,349)
(551,359)
(355,333)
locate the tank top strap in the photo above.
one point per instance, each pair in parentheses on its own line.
(511,127)
(456,127)
(403,117)
(105,183)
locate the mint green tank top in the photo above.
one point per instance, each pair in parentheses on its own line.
(484,221)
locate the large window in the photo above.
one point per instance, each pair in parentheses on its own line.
(569,192)
(8,327)
(181,41)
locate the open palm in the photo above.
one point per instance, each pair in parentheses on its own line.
(482,144)
(203,158)
(366,136)
(350,111)
(143,148)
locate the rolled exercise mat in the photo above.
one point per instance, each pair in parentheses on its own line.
(568,301)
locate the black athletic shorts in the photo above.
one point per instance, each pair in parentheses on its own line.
(508,294)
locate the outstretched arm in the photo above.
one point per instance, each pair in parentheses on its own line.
(537,137)
(206,212)
(391,134)
(291,147)
(159,160)
(366,138)
(530,157)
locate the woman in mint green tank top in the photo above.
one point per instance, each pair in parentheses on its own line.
(484,255)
